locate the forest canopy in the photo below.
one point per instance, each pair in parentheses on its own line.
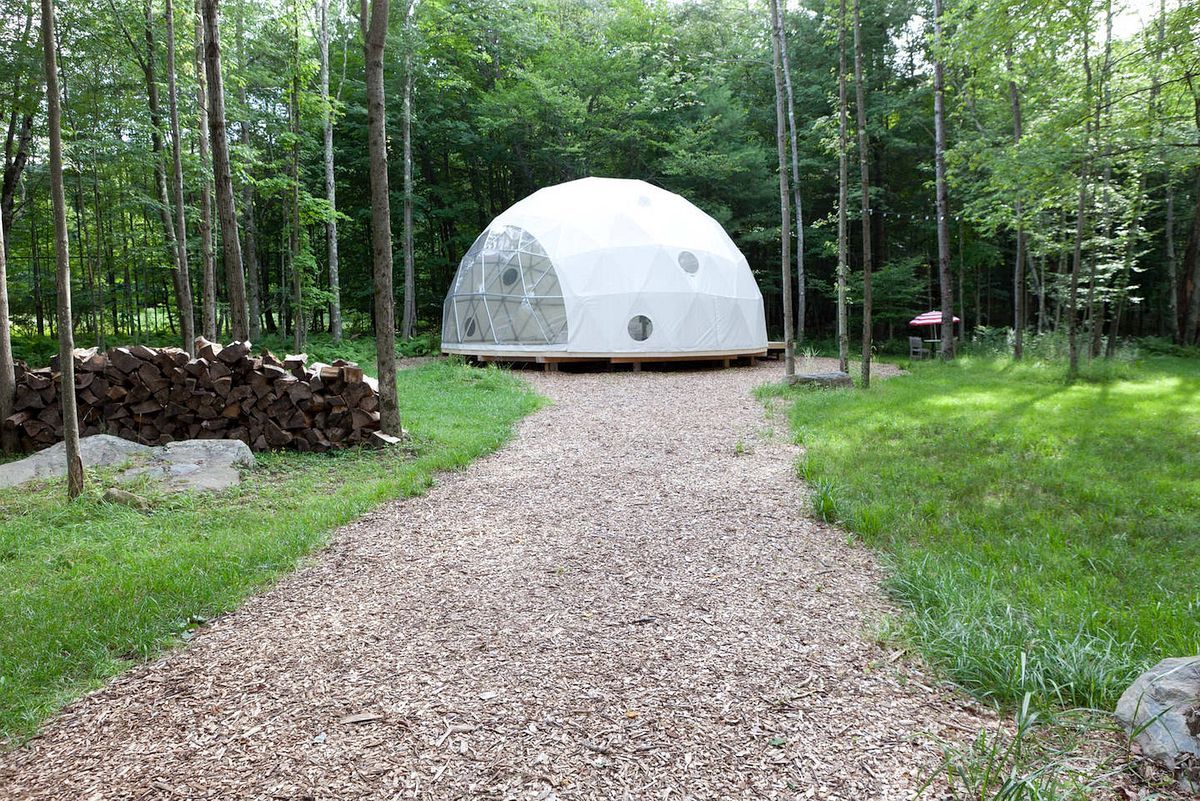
(1069,121)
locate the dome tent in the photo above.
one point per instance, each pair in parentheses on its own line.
(603,268)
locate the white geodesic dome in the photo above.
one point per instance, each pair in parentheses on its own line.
(604,267)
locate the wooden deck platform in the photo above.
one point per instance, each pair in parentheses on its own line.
(551,361)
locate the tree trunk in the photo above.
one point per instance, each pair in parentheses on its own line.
(860,97)
(943,212)
(253,280)
(374,27)
(795,175)
(408,319)
(843,267)
(300,327)
(1080,223)
(13,168)
(8,380)
(331,228)
(66,337)
(183,282)
(208,290)
(226,212)
(785,233)
(1014,96)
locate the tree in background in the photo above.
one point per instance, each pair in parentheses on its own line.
(795,177)
(373,19)
(409,318)
(843,337)
(8,380)
(183,281)
(785,235)
(942,210)
(208,290)
(331,226)
(230,244)
(66,335)
(860,95)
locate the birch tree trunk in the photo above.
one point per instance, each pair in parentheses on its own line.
(864,167)
(208,290)
(1080,224)
(785,232)
(943,212)
(226,212)
(331,228)
(373,17)
(66,337)
(8,385)
(408,319)
(791,120)
(843,268)
(183,282)
(1014,95)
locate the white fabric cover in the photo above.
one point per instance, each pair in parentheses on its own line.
(618,249)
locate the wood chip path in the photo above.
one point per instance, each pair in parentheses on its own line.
(624,603)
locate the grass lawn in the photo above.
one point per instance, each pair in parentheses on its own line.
(87,588)
(1045,537)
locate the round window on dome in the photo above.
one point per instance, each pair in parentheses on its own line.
(509,276)
(470,327)
(640,328)
(689,262)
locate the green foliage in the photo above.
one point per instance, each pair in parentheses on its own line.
(1041,534)
(91,588)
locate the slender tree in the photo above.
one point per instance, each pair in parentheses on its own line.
(208,289)
(331,227)
(250,232)
(373,19)
(942,210)
(226,212)
(785,233)
(795,176)
(66,337)
(864,167)
(8,379)
(183,287)
(408,319)
(1014,94)
(843,268)
(300,325)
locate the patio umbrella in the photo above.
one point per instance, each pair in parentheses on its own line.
(929,318)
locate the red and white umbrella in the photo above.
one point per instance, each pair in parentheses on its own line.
(929,318)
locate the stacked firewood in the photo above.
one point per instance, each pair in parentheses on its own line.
(160,395)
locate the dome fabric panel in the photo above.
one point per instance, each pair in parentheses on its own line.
(566,270)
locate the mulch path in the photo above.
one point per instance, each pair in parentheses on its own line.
(628,601)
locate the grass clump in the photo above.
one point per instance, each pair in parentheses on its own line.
(87,588)
(1044,536)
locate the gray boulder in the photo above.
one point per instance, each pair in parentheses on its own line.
(101,450)
(193,464)
(1161,711)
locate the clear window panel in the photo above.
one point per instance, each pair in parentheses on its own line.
(505,292)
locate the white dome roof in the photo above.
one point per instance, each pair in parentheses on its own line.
(604,266)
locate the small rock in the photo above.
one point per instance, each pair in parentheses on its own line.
(1161,710)
(488,696)
(120,496)
(835,378)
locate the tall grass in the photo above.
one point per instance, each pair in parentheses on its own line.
(1043,536)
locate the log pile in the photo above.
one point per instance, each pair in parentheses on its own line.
(159,395)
